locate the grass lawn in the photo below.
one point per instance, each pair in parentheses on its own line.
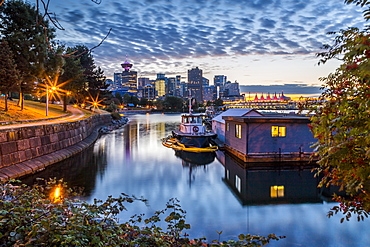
(32,111)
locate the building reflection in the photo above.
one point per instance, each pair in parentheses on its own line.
(283,183)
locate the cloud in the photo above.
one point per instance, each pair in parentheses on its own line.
(149,31)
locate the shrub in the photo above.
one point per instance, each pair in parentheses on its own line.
(51,215)
(115,116)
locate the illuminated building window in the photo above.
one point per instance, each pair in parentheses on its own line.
(276,191)
(238,183)
(238,130)
(227,126)
(227,174)
(278,131)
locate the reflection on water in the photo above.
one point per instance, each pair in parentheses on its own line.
(190,158)
(258,185)
(219,194)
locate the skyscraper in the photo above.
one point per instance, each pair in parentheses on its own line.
(195,84)
(129,78)
(219,81)
(142,82)
(160,85)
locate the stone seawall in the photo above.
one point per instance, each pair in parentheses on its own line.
(26,150)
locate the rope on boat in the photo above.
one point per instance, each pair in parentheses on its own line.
(173,143)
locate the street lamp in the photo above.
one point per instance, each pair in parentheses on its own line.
(47,100)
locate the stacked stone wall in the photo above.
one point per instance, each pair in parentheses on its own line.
(28,149)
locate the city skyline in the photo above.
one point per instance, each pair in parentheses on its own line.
(264,42)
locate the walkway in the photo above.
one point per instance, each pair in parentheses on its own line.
(76,115)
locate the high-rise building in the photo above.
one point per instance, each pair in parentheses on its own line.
(232,89)
(209,93)
(142,82)
(117,79)
(129,78)
(148,91)
(171,86)
(219,81)
(195,84)
(205,82)
(160,85)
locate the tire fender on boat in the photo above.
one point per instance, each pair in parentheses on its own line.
(195,128)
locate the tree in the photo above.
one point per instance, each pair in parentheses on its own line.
(126,98)
(173,103)
(118,96)
(8,71)
(361,3)
(72,79)
(27,39)
(94,76)
(218,102)
(341,122)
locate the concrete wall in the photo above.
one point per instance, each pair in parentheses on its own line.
(26,150)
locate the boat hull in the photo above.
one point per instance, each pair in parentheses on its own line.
(195,140)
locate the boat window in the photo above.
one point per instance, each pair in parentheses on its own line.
(238,130)
(277,191)
(238,183)
(278,131)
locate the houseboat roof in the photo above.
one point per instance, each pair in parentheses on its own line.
(235,113)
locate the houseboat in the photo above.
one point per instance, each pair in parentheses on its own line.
(269,138)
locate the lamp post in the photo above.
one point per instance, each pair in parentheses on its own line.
(47,97)
(47,100)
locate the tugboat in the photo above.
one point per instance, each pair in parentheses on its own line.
(192,132)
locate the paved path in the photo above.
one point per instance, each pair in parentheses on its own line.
(76,115)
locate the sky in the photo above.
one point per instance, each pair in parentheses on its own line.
(253,42)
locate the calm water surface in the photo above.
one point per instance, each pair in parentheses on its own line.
(217,193)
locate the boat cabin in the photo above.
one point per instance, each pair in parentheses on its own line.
(192,124)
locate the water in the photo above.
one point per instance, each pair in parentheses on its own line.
(217,193)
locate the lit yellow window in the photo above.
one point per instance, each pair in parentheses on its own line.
(278,131)
(227,126)
(276,191)
(238,183)
(238,130)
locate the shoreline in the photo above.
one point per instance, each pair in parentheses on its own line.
(30,149)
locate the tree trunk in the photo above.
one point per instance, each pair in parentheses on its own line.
(6,102)
(21,101)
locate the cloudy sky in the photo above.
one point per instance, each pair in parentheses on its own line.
(254,42)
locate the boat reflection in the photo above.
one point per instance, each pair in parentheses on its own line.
(193,161)
(191,158)
(283,183)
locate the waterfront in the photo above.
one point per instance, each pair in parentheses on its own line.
(133,161)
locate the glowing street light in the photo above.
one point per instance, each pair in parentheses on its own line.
(51,86)
(56,194)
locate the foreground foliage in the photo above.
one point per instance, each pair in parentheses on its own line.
(47,215)
(341,121)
